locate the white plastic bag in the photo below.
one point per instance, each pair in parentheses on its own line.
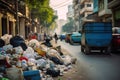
(29,53)
(18,50)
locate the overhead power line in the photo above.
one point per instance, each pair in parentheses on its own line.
(61,6)
(60,3)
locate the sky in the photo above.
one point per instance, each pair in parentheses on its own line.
(61,6)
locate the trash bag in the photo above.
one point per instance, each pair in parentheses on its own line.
(16,41)
(56,60)
(6,38)
(8,47)
(2,42)
(18,49)
(53,73)
(29,53)
(47,42)
(41,63)
(2,51)
(67,60)
(23,46)
(54,53)
(34,43)
(40,51)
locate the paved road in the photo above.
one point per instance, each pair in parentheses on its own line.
(97,66)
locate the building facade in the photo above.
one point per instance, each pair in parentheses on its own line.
(114,5)
(7,17)
(104,13)
(86,8)
(70,12)
(76,14)
(14,18)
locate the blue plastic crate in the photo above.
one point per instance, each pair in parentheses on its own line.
(32,75)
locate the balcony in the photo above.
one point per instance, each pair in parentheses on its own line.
(82,1)
(113,3)
(84,20)
(105,12)
(7,6)
(86,9)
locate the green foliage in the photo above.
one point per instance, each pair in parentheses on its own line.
(41,9)
(68,27)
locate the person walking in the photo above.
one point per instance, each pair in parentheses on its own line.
(45,36)
(56,37)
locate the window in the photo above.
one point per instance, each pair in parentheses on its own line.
(88,5)
(101,6)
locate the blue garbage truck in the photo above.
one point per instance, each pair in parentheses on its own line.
(96,36)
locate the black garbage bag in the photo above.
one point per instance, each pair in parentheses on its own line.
(24,46)
(56,60)
(53,73)
(2,43)
(16,41)
(47,43)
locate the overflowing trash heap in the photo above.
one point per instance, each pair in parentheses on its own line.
(31,60)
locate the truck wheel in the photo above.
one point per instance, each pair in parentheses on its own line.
(101,51)
(108,50)
(87,50)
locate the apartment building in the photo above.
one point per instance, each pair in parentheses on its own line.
(70,12)
(76,14)
(7,18)
(86,8)
(104,13)
(114,5)
(14,18)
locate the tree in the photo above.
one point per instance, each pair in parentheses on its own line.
(41,9)
(68,27)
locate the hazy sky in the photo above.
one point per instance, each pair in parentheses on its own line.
(61,6)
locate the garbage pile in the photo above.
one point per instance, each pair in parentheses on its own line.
(30,60)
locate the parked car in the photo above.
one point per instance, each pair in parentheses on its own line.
(75,38)
(67,38)
(62,37)
(115,39)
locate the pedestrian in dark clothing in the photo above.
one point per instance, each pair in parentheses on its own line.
(56,37)
(45,36)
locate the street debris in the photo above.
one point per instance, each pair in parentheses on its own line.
(31,60)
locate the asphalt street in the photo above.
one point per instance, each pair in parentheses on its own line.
(96,66)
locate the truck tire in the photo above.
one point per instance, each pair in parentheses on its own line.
(87,50)
(108,50)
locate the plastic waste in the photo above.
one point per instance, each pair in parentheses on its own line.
(18,49)
(41,63)
(29,53)
(6,38)
(34,43)
(40,51)
(8,47)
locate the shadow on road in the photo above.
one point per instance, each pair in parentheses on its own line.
(98,54)
(75,44)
